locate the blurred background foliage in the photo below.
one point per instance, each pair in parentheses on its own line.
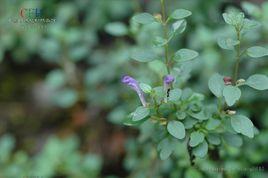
(62,107)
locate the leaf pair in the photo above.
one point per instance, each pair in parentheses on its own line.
(230,93)
(197,140)
(146,18)
(238,20)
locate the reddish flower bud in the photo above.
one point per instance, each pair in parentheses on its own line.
(227,80)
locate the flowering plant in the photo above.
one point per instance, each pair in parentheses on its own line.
(182,115)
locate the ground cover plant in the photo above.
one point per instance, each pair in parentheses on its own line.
(182,115)
(134,88)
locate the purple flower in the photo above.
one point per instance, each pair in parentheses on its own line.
(168,79)
(132,83)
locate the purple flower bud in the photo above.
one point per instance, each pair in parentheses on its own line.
(169,79)
(132,83)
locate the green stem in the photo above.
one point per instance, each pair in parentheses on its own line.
(164,22)
(156,106)
(190,153)
(219,104)
(238,55)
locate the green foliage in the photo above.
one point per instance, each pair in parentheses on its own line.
(200,125)
(143,55)
(140,113)
(257,51)
(201,150)
(227,43)
(196,138)
(216,84)
(185,55)
(243,125)
(81,60)
(235,19)
(174,95)
(180,14)
(165,148)
(116,29)
(232,139)
(258,82)
(65,98)
(146,88)
(144,18)
(191,172)
(52,160)
(176,129)
(231,94)
(178,27)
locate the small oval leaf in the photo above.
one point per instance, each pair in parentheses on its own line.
(180,14)
(257,51)
(231,94)
(258,82)
(176,129)
(140,113)
(144,18)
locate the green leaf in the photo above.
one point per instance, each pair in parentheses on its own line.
(212,124)
(201,150)
(65,98)
(140,113)
(216,84)
(143,55)
(158,67)
(258,82)
(144,18)
(214,139)
(176,129)
(166,148)
(7,144)
(232,139)
(252,9)
(179,26)
(250,24)
(193,173)
(159,41)
(159,93)
(227,43)
(116,29)
(128,121)
(145,88)
(242,124)
(181,115)
(180,14)
(185,55)
(189,123)
(55,79)
(234,18)
(200,116)
(257,51)
(231,94)
(196,138)
(174,95)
